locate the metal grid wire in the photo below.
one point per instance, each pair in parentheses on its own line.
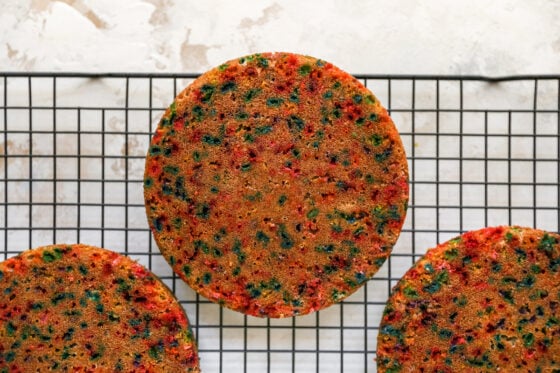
(481,152)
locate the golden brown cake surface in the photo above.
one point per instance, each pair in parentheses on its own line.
(77,308)
(276,184)
(486,301)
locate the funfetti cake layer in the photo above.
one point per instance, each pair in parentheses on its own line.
(486,301)
(276,184)
(77,308)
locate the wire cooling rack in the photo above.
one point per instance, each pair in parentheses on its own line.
(481,152)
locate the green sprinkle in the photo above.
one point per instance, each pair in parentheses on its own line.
(261,236)
(328,269)
(251,94)
(274,101)
(508,280)
(197,157)
(384,155)
(391,331)
(527,282)
(237,251)
(236,271)
(445,333)
(552,321)
(37,306)
(329,248)
(254,197)
(211,140)
(370,99)
(246,167)
(228,86)
(60,297)
(10,329)
(93,295)
(357,99)
(158,224)
(294,96)
(286,240)
(263,130)
(436,284)
(254,292)
(201,245)
(203,211)
(69,334)
(313,213)
(528,339)
(282,200)
(375,139)
(327,95)
(336,228)
(155,150)
(241,115)
(177,222)
(10,356)
(223,67)
(51,256)
(410,292)
(360,277)
(207,91)
(207,278)
(262,62)
(496,267)
(304,69)
(547,243)
(337,295)
(217,252)
(123,285)
(166,189)
(198,113)
(509,236)
(296,153)
(148,182)
(507,295)
(187,270)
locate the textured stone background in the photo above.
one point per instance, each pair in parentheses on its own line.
(403,36)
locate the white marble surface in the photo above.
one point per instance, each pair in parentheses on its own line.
(403,36)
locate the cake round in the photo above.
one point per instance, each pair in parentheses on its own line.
(276,184)
(488,300)
(82,308)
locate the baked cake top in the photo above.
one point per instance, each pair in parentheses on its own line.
(82,308)
(276,184)
(483,301)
